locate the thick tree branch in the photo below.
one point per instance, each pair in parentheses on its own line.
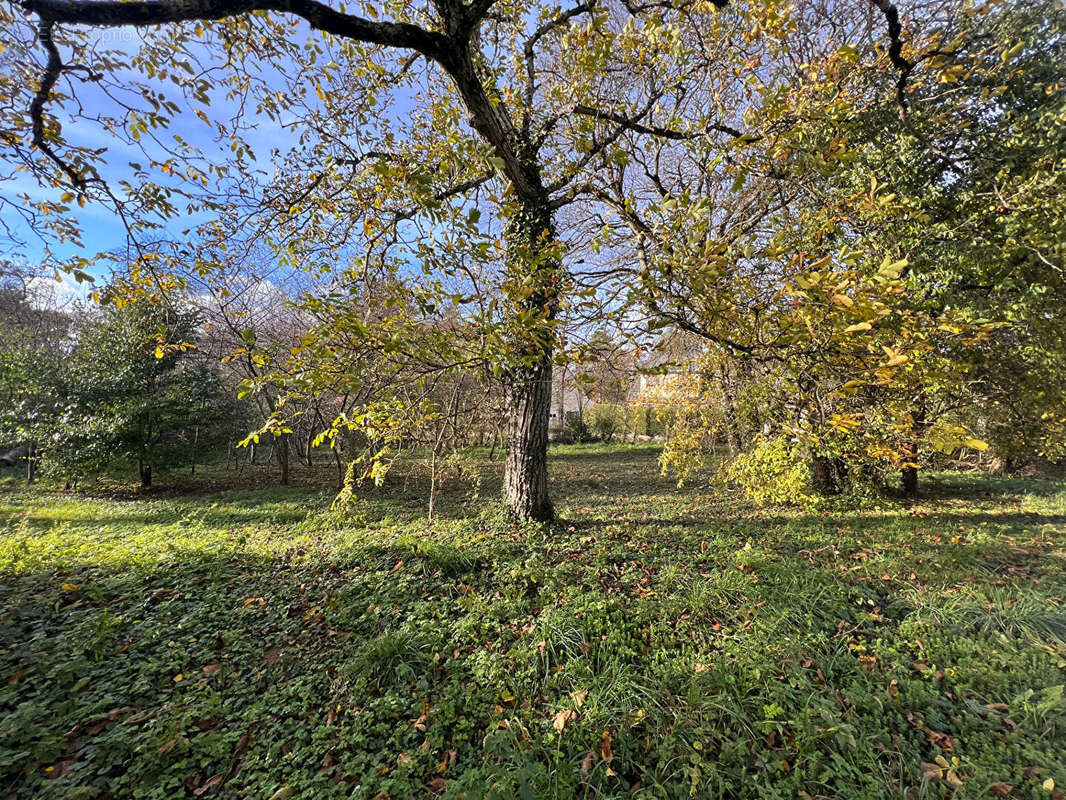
(635,9)
(895,49)
(53,69)
(116,13)
(452,52)
(659,131)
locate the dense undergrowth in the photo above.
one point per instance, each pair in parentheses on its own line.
(655,642)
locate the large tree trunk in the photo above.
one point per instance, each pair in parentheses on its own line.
(525,481)
(145,470)
(534,273)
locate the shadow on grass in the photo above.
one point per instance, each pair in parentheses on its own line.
(182,514)
(941,486)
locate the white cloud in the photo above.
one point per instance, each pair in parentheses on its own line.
(47,292)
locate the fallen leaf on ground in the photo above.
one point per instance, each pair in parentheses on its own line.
(563,718)
(605,746)
(214,780)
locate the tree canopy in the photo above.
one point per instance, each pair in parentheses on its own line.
(817,192)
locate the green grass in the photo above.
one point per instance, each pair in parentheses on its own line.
(244,643)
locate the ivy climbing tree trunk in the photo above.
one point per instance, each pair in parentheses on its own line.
(533,292)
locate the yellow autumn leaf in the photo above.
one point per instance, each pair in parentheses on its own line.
(69,587)
(858,326)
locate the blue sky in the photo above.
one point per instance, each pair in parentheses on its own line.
(102,229)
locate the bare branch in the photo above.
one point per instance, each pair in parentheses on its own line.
(659,131)
(53,69)
(895,49)
(140,13)
(558,21)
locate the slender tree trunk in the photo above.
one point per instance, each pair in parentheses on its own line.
(340,467)
(732,431)
(145,471)
(31,462)
(434,457)
(282,449)
(909,478)
(909,473)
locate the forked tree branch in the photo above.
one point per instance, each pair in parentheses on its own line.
(53,69)
(895,49)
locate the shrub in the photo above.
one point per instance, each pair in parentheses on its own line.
(575,428)
(773,470)
(606,420)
